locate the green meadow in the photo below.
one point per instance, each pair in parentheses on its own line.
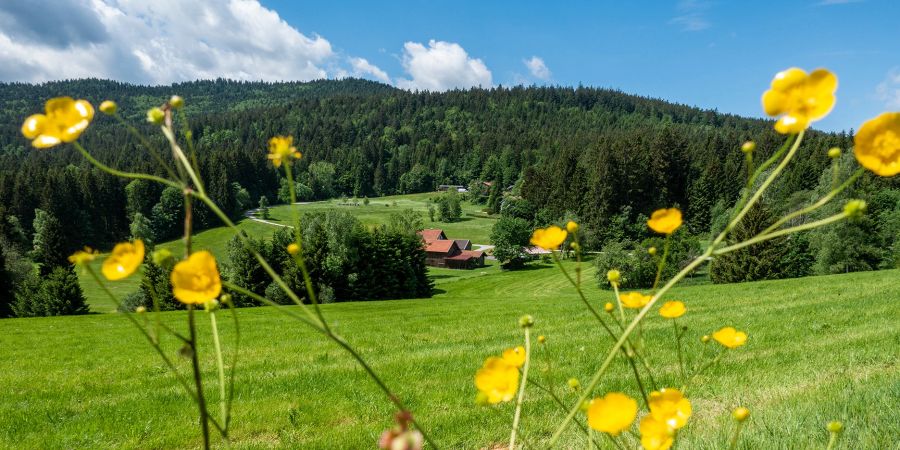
(820,349)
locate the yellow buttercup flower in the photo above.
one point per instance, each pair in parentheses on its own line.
(196,279)
(549,238)
(572,227)
(665,221)
(515,356)
(64,121)
(656,435)
(730,338)
(497,380)
(124,260)
(672,310)
(281,148)
(108,107)
(82,257)
(670,407)
(877,144)
(613,413)
(634,300)
(798,98)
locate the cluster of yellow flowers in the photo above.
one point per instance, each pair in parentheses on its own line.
(616,412)
(498,379)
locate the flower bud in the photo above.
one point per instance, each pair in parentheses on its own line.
(162,257)
(855,209)
(108,107)
(585,405)
(574,246)
(652,251)
(542,339)
(176,101)
(140,309)
(741,414)
(526,321)
(481,399)
(293,248)
(225,299)
(572,227)
(748,147)
(613,276)
(704,339)
(835,426)
(156,116)
(574,384)
(608,307)
(834,152)
(211,305)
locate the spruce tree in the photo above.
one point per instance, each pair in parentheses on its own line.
(48,242)
(762,261)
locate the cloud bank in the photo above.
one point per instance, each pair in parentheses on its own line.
(441,66)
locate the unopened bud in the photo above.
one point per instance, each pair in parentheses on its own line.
(176,102)
(162,257)
(293,248)
(140,309)
(608,307)
(572,227)
(855,209)
(108,107)
(542,339)
(704,339)
(574,384)
(526,321)
(575,246)
(652,251)
(613,276)
(835,426)
(585,405)
(211,305)
(225,299)
(741,414)
(156,116)
(834,152)
(748,147)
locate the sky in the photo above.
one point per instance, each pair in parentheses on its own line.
(712,54)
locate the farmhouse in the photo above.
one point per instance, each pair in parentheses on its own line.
(449,253)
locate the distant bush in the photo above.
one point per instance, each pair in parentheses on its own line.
(132,301)
(57,294)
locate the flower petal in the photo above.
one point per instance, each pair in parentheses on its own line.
(33,125)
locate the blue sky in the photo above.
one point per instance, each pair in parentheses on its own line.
(713,54)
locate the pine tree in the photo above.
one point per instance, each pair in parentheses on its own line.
(48,242)
(57,294)
(264,207)
(762,261)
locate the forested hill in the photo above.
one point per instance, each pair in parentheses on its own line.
(602,155)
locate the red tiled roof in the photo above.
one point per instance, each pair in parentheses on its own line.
(431,235)
(441,246)
(466,255)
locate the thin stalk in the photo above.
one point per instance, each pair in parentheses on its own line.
(784,231)
(759,170)
(702,369)
(140,137)
(234,360)
(736,435)
(220,366)
(119,173)
(521,396)
(198,381)
(179,155)
(678,345)
(822,201)
(556,400)
(832,441)
(662,261)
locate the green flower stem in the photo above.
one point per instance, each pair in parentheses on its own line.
(301,262)
(702,369)
(678,346)
(629,355)
(134,132)
(662,261)
(143,330)
(736,435)
(119,173)
(220,366)
(179,155)
(762,188)
(521,397)
(621,342)
(198,379)
(822,201)
(832,441)
(784,231)
(342,343)
(759,170)
(557,401)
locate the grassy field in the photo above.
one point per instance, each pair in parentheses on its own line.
(473,225)
(820,349)
(476,229)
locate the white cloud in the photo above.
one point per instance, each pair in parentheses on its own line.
(692,15)
(157,42)
(537,68)
(363,68)
(888,91)
(441,66)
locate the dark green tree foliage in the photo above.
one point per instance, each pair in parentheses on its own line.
(141,228)
(510,235)
(638,267)
(7,288)
(140,196)
(494,199)
(244,270)
(408,221)
(57,294)
(157,285)
(762,261)
(264,207)
(49,246)
(167,215)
